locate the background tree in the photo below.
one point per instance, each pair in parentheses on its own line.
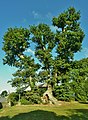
(79,79)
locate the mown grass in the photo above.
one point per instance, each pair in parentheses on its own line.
(65,111)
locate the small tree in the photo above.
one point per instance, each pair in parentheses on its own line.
(4,93)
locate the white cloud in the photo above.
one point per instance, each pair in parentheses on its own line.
(36,15)
(42,17)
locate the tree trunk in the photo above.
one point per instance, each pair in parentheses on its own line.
(48,96)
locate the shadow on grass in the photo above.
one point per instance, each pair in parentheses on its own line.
(84,102)
(75,114)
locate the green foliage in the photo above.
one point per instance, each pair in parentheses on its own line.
(4,93)
(86,89)
(44,38)
(24,101)
(64,92)
(69,37)
(79,75)
(32,97)
(15,43)
(25,75)
(13,98)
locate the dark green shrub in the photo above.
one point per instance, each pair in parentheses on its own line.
(32,97)
(35,99)
(4,93)
(1,106)
(13,103)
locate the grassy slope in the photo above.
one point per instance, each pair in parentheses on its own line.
(65,111)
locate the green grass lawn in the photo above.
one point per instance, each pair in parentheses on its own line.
(65,111)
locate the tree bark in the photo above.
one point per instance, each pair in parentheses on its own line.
(48,96)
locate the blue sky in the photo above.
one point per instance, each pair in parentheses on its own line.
(17,13)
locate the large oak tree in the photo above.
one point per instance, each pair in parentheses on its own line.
(64,43)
